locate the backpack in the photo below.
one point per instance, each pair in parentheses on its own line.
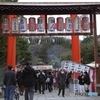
(48,80)
(41,77)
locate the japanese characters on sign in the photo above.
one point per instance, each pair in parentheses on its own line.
(15,25)
(32,24)
(72,66)
(40,22)
(5,24)
(60,24)
(51,24)
(85,23)
(77,24)
(68,24)
(23,24)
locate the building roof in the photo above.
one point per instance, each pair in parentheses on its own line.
(49,7)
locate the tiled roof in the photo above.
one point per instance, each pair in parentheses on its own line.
(49,7)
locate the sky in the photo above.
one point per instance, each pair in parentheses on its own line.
(98,16)
(59,1)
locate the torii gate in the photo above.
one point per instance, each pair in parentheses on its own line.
(53,8)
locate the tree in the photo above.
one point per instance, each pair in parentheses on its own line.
(87,52)
(23,54)
(3,50)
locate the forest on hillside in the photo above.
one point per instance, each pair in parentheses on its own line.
(47,50)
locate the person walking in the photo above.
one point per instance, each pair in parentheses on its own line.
(9,81)
(19,81)
(69,76)
(41,80)
(28,77)
(61,82)
(86,81)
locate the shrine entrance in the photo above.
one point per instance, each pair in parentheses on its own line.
(80,20)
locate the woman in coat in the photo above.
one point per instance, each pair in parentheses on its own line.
(61,82)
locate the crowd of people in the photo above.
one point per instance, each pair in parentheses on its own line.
(29,81)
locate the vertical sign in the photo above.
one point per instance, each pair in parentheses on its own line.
(5,24)
(60,24)
(77,24)
(51,24)
(40,22)
(68,24)
(23,24)
(15,25)
(32,24)
(85,23)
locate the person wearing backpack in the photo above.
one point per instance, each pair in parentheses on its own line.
(41,80)
(28,79)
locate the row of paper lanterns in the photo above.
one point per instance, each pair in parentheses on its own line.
(21,24)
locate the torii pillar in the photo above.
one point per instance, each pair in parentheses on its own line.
(75,45)
(11,48)
(76,55)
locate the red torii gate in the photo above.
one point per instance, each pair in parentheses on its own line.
(11,49)
(91,8)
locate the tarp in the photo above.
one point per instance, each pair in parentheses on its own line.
(92,64)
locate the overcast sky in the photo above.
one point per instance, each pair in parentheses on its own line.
(98,16)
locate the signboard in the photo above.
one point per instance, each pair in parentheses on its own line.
(43,67)
(71,66)
(40,22)
(5,24)
(32,24)
(23,24)
(15,25)
(51,24)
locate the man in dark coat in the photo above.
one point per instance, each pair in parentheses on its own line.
(62,82)
(28,77)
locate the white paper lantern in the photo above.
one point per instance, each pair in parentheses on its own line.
(68,24)
(51,24)
(15,24)
(5,24)
(77,24)
(23,24)
(60,22)
(32,24)
(41,24)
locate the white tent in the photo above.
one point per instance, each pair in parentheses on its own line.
(93,65)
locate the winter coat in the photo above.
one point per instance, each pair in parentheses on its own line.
(61,80)
(28,77)
(87,79)
(9,78)
(81,80)
(19,77)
